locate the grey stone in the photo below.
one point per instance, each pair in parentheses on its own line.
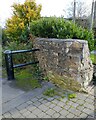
(61,104)
(16,116)
(64,113)
(13,111)
(81,96)
(55,101)
(90,101)
(37,103)
(56,115)
(36,111)
(75,111)
(83,115)
(57,109)
(22,106)
(70,115)
(23,111)
(29,102)
(90,106)
(47,104)
(80,101)
(44,101)
(34,99)
(64,100)
(41,115)
(66,57)
(75,104)
(87,111)
(21,116)
(80,108)
(62,116)
(31,115)
(50,112)
(26,113)
(52,105)
(70,103)
(7,115)
(43,107)
(31,107)
(67,107)
(47,116)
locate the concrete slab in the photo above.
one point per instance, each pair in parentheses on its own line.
(13,97)
(9,91)
(33,104)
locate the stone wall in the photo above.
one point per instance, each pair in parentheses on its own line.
(66,62)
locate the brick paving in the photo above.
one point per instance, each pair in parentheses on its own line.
(34,104)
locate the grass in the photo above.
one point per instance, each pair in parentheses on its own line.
(26,79)
(71,96)
(93,58)
(50,92)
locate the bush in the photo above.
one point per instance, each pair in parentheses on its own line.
(17,26)
(21,57)
(62,29)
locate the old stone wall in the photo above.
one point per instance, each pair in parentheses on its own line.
(66,62)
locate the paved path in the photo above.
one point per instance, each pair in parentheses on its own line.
(33,104)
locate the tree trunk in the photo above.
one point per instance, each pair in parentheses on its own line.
(74,12)
(92,16)
(95,15)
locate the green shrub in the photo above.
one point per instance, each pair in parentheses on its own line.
(21,57)
(62,29)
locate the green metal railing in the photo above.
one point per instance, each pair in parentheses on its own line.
(9,61)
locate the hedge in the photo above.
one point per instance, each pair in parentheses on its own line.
(60,28)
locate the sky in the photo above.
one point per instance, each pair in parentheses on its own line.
(49,8)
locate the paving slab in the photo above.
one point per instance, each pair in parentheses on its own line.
(33,104)
(9,91)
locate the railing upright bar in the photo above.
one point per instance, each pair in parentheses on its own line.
(9,64)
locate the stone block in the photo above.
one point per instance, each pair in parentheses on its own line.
(68,60)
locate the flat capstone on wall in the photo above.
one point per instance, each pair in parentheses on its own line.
(66,62)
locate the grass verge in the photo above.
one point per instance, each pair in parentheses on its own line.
(27,79)
(93,58)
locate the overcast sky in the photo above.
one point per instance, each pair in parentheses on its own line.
(49,7)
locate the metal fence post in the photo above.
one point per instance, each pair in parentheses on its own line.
(9,64)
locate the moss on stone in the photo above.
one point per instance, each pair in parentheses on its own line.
(64,81)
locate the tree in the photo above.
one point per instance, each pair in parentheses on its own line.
(23,14)
(81,10)
(95,14)
(92,16)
